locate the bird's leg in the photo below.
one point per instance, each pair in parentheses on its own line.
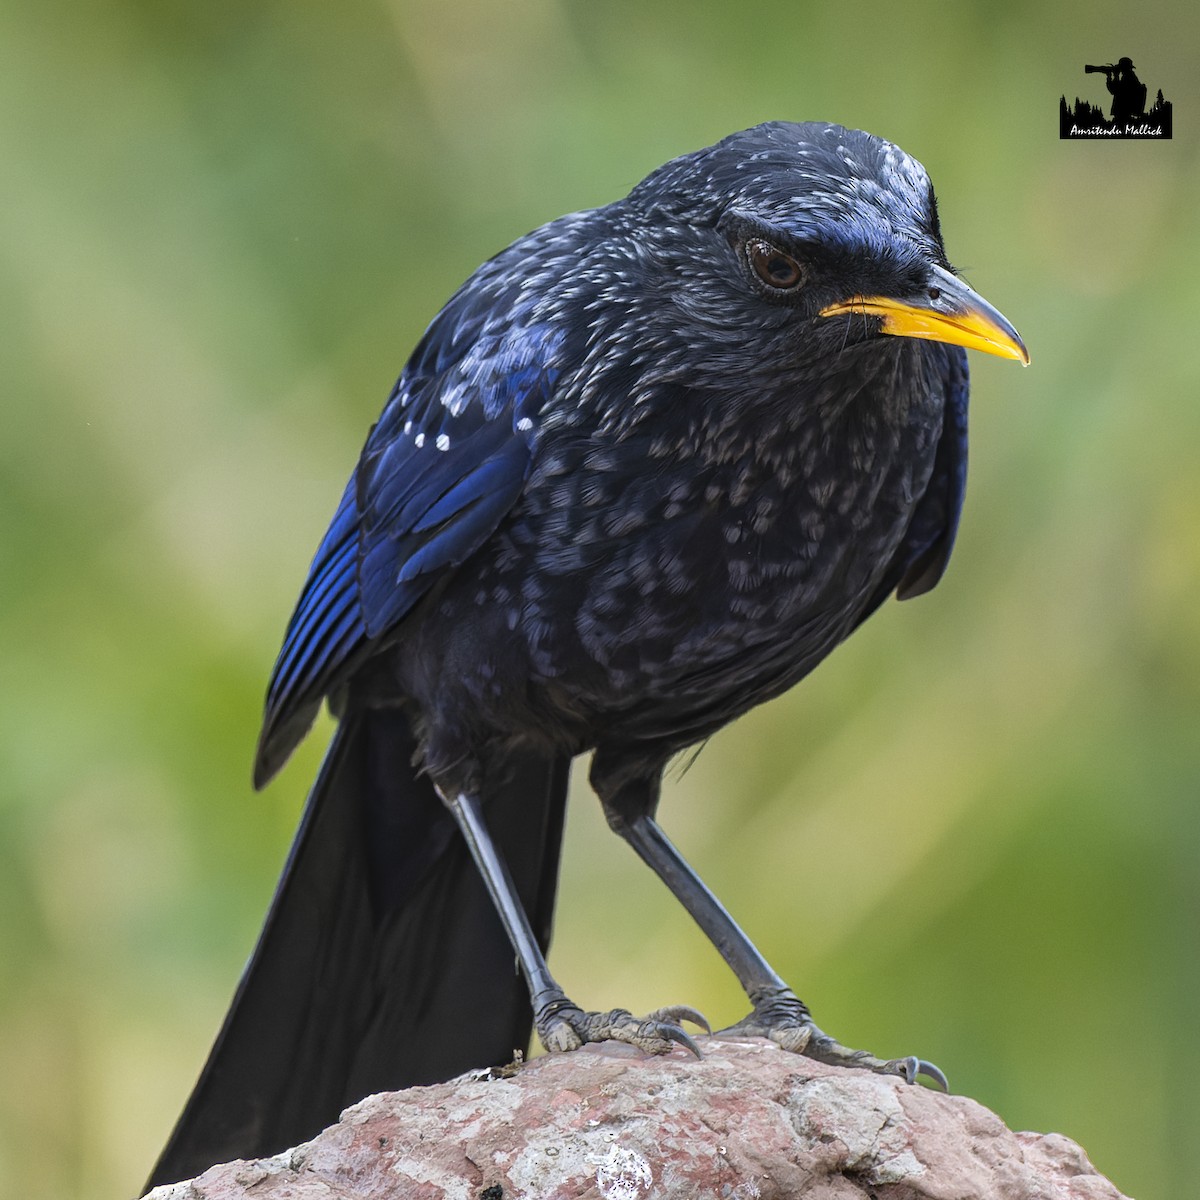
(778,1013)
(560,1024)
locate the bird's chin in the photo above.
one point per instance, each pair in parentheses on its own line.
(867,346)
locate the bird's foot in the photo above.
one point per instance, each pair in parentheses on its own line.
(784,1018)
(564,1026)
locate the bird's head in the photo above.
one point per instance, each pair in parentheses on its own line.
(803,245)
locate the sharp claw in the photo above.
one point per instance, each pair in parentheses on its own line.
(909,1068)
(934,1073)
(681,1012)
(674,1034)
(564,1027)
(787,1022)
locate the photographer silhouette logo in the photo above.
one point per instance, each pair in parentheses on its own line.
(1128,116)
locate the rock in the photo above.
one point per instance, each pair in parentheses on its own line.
(747,1122)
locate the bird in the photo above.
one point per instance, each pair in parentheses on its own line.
(643,471)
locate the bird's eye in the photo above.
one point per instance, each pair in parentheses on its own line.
(777,270)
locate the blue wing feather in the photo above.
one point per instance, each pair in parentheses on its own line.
(398,509)
(330,588)
(441,469)
(457,537)
(328,622)
(489,478)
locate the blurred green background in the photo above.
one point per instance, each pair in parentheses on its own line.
(973,834)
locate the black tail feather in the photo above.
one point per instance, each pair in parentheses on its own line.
(382,963)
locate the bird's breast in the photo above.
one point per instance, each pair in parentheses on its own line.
(650,570)
(640,581)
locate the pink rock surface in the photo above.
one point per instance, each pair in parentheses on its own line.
(747,1122)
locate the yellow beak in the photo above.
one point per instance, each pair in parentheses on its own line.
(949,312)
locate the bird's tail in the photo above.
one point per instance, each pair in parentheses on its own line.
(382,963)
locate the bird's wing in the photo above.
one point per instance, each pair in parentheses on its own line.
(441,469)
(923,555)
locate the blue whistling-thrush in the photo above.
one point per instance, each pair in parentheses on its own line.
(646,468)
